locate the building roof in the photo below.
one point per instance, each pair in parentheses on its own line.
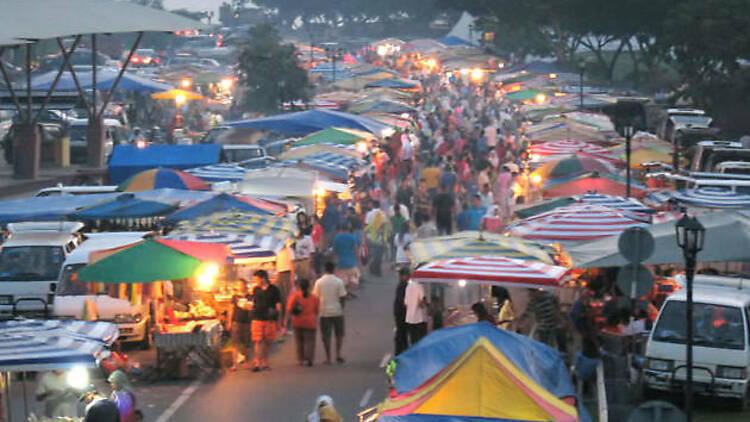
(44,19)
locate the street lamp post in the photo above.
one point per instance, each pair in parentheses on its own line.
(690,236)
(628,131)
(581,69)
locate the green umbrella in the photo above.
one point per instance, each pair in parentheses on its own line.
(335,135)
(143,263)
(528,94)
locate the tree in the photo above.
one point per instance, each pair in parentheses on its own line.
(270,71)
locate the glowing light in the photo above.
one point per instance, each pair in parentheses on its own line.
(387,132)
(226,83)
(147,60)
(535,157)
(362,146)
(207,277)
(78,378)
(180,99)
(319,191)
(462,283)
(382,50)
(501,65)
(464,72)
(515,88)
(553,75)
(477,74)
(536,178)
(140,144)
(431,63)
(540,98)
(186,82)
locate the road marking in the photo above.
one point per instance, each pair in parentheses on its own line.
(385,360)
(184,396)
(366,398)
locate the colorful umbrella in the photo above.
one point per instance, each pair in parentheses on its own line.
(471,243)
(220,202)
(572,165)
(710,197)
(336,135)
(144,263)
(206,252)
(574,223)
(608,184)
(162,178)
(564,147)
(524,95)
(270,232)
(615,202)
(495,270)
(307,150)
(176,94)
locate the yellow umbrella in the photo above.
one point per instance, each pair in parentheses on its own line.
(177,95)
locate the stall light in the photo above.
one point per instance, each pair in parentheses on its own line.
(319,191)
(78,378)
(382,50)
(431,63)
(362,146)
(462,283)
(180,99)
(140,144)
(534,157)
(464,72)
(501,65)
(553,75)
(387,132)
(404,115)
(540,98)
(536,178)
(477,74)
(207,277)
(186,83)
(226,83)
(559,94)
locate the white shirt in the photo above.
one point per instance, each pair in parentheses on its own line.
(370,216)
(330,289)
(490,135)
(407,152)
(285,260)
(403,209)
(304,247)
(412,299)
(401,243)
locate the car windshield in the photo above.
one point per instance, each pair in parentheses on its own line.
(691,119)
(714,326)
(30,263)
(237,155)
(77,133)
(69,284)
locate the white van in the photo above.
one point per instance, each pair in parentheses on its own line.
(721,354)
(133,320)
(30,262)
(61,190)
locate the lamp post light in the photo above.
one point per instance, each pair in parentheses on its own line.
(334,54)
(581,70)
(690,236)
(628,132)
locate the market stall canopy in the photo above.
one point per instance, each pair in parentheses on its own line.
(220,202)
(45,345)
(212,252)
(244,248)
(161,178)
(572,165)
(174,94)
(279,182)
(125,205)
(127,160)
(305,122)
(335,135)
(105,79)
(143,263)
(493,270)
(565,147)
(727,238)
(609,184)
(614,202)
(222,172)
(332,165)
(395,83)
(306,150)
(45,19)
(47,208)
(526,95)
(574,223)
(704,197)
(382,106)
(471,243)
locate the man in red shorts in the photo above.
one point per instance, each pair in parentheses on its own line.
(266,311)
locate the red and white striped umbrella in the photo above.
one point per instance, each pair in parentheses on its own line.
(495,270)
(575,223)
(564,147)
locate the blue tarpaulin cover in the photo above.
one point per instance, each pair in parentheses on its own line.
(128,160)
(126,205)
(105,79)
(305,122)
(221,202)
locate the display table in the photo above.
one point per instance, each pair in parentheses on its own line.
(200,340)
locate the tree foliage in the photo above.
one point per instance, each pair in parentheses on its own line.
(270,71)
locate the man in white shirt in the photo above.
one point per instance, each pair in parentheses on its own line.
(285,282)
(416,318)
(331,292)
(303,250)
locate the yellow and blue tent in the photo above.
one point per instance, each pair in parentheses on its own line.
(473,243)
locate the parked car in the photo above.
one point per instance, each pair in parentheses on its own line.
(114,134)
(249,156)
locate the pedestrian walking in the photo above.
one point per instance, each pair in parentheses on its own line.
(376,230)
(416,318)
(401,339)
(303,252)
(123,396)
(285,281)
(331,292)
(345,250)
(304,307)
(266,312)
(240,328)
(444,211)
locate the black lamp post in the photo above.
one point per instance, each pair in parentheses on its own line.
(581,70)
(690,235)
(628,132)
(334,54)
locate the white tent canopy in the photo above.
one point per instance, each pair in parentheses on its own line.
(727,239)
(45,19)
(462,29)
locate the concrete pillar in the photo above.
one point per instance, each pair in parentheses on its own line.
(95,140)
(28,151)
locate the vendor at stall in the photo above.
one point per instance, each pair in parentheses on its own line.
(241,319)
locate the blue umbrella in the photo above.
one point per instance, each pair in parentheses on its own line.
(705,197)
(306,122)
(124,206)
(221,202)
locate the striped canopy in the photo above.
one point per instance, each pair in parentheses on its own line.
(43,345)
(268,232)
(244,248)
(219,172)
(574,223)
(614,201)
(564,147)
(704,197)
(471,243)
(334,165)
(495,270)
